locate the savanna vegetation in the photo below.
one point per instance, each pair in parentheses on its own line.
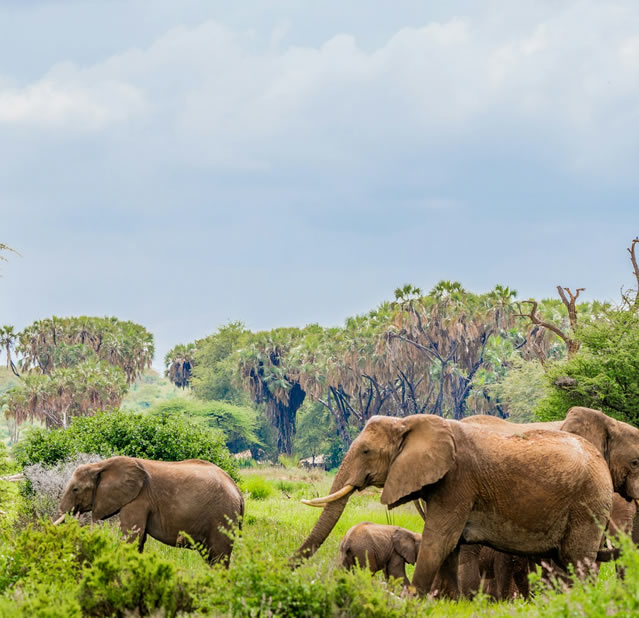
(77,389)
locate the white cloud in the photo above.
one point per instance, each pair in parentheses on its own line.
(565,86)
(56,104)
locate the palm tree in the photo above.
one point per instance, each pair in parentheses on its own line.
(8,338)
(179,364)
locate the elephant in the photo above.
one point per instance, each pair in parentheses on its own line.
(380,547)
(466,475)
(160,498)
(506,575)
(618,443)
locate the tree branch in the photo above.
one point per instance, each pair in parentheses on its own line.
(633,259)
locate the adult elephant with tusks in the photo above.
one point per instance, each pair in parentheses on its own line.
(161,498)
(480,487)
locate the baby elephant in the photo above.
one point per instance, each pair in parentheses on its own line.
(381,547)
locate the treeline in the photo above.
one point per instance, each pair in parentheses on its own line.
(72,367)
(309,391)
(449,352)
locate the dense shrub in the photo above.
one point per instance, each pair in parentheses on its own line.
(163,437)
(603,375)
(46,484)
(238,423)
(86,571)
(257,487)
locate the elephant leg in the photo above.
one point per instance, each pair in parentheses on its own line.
(520,576)
(442,531)
(573,550)
(448,576)
(468,575)
(133,519)
(396,567)
(505,567)
(219,546)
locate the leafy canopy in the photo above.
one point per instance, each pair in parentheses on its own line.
(603,375)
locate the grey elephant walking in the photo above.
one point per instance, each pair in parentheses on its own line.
(380,547)
(161,499)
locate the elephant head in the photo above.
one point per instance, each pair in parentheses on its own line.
(402,455)
(618,442)
(103,487)
(406,544)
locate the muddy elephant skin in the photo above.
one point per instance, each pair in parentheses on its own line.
(161,499)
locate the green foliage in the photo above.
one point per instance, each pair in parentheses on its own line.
(214,367)
(163,437)
(288,461)
(257,487)
(124,344)
(314,431)
(66,392)
(238,423)
(523,386)
(149,389)
(335,454)
(87,572)
(603,375)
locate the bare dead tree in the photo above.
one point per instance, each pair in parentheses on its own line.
(635,267)
(570,302)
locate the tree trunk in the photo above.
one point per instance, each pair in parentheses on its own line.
(284,418)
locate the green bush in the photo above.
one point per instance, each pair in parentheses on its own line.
(238,423)
(86,571)
(164,437)
(604,374)
(257,487)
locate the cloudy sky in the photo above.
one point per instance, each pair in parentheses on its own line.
(182,164)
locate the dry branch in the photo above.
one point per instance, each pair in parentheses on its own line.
(635,267)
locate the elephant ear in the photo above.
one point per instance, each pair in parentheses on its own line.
(406,544)
(426,453)
(119,481)
(591,425)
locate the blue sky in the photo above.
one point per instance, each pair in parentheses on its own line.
(184,164)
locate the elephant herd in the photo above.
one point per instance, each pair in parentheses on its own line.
(496,496)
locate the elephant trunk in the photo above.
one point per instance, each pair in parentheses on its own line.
(327,520)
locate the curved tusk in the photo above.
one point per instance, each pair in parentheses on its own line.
(77,515)
(60,519)
(344,491)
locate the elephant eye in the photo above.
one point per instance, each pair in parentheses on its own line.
(634,463)
(75,489)
(366,450)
